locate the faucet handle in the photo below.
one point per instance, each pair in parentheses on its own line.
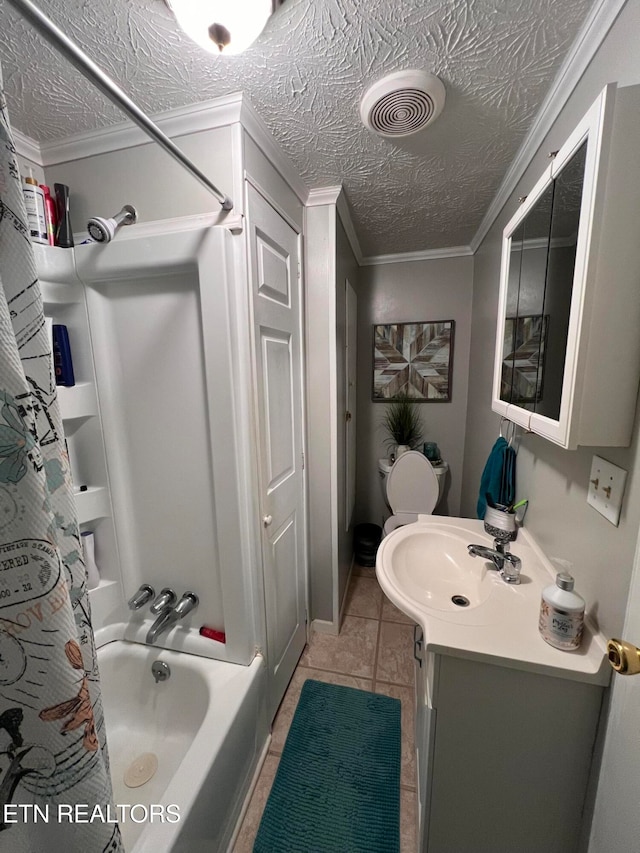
(144,594)
(166,598)
(187,603)
(511,568)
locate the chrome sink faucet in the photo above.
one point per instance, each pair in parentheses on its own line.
(507,564)
(170,615)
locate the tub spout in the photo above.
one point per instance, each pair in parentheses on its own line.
(170,615)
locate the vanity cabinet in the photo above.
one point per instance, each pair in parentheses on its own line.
(503,757)
(567,359)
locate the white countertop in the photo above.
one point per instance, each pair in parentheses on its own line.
(503,629)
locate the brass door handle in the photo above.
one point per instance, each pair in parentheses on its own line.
(624,657)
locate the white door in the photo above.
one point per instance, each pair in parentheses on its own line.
(616,822)
(275,279)
(350,402)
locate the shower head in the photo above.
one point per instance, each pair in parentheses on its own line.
(104,230)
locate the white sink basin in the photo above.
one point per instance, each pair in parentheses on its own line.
(435,568)
(464,606)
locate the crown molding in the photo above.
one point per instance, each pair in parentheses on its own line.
(253,124)
(27,147)
(323,195)
(175,123)
(320,196)
(593,32)
(195,118)
(425,255)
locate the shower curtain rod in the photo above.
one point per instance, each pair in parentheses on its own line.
(88,68)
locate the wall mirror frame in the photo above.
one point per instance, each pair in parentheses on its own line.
(567,359)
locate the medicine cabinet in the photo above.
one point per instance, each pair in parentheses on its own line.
(567,358)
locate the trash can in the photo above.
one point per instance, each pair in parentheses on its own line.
(366,539)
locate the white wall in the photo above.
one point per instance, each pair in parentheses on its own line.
(412,292)
(149,179)
(554,480)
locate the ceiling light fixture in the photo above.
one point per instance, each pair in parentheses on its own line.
(223,26)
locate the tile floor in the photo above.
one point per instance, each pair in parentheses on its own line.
(374,651)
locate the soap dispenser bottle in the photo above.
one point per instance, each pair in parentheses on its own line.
(561,620)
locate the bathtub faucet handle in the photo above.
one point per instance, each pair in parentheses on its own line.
(168,616)
(166,598)
(144,594)
(187,603)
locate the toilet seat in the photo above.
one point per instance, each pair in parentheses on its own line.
(412,489)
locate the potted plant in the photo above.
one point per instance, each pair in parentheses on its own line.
(402,422)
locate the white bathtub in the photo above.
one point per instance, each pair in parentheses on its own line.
(207,726)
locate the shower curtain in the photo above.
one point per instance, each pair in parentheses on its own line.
(55,792)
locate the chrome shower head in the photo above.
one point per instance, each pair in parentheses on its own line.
(104,230)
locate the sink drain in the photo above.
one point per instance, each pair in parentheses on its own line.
(460,600)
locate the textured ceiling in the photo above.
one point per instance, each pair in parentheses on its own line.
(305,76)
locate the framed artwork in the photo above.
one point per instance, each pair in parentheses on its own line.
(525,340)
(413,360)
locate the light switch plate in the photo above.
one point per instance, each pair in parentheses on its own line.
(606,488)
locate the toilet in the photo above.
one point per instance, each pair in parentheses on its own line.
(411,486)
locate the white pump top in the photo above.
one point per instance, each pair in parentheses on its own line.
(412,485)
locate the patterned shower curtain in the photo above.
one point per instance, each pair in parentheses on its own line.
(55,792)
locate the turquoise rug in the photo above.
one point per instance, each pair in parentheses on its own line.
(337,788)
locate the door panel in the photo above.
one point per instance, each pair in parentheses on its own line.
(275,253)
(273,270)
(279,420)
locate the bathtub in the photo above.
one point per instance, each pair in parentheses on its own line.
(206,725)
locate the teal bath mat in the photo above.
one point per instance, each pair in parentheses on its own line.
(337,789)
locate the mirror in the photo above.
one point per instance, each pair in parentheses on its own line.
(542,254)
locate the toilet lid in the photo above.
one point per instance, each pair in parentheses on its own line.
(412,485)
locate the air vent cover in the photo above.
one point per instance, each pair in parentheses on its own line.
(402,103)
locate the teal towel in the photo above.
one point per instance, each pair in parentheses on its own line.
(499,477)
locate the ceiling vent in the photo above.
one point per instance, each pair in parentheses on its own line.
(402,103)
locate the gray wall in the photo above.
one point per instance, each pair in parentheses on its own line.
(329,262)
(409,292)
(556,480)
(346,270)
(319,274)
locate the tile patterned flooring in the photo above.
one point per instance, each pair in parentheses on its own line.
(374,651)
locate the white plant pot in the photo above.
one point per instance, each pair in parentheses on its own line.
(402,448)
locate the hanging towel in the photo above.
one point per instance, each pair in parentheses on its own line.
(499,477)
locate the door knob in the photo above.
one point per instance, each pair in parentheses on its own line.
(623,657)
(267,519)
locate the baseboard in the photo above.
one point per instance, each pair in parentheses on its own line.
(346,593)
(323,626)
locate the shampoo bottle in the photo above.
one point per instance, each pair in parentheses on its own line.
(50,214)
(89,549)
(64,234)
(36,211)
(562,614)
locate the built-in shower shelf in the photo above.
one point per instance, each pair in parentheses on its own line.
(79,401)
(105,599)
(92,504)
